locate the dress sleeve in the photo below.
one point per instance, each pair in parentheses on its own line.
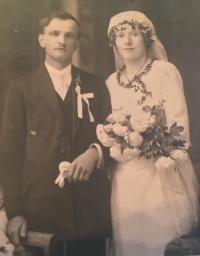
(175,103)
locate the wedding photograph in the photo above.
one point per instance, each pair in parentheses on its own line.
(99,127)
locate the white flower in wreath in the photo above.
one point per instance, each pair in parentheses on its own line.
(103,137)
(179,155)
(119,129)
(115,152)
(165,163)
(135,139)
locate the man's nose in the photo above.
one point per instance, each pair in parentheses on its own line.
(61,39)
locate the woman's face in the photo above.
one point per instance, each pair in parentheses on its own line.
(130,44)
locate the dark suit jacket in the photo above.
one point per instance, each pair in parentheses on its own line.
(34,140)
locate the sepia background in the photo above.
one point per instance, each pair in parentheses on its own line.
(177,23)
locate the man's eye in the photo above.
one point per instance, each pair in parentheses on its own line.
(54,33)
(70,35)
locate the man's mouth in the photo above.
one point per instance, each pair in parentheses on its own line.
(61,49)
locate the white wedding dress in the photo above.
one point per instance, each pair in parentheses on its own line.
(150,207)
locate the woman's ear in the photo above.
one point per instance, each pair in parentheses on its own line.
(41,40)
(119,63)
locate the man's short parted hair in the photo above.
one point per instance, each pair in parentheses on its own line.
(44,22)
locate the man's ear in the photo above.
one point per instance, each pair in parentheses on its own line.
(77,46)
(41,40)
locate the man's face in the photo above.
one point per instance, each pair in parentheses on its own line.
(60,40)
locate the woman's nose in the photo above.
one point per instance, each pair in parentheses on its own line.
(128,40)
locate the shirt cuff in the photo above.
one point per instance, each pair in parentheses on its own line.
(100,163)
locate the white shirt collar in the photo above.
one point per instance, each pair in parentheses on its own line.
(61,79)
(53,72)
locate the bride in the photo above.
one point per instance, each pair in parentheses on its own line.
(150,207)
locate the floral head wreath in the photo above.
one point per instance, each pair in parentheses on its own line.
(136,20)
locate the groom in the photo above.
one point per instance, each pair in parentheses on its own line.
(50,116)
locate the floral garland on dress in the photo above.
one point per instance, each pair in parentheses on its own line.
(136,83)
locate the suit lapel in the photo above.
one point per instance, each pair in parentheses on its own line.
(76,120)
(45,85)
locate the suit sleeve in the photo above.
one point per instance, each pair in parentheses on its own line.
(12,147)
(104,110)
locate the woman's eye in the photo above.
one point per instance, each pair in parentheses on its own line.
(134,33)
(120,34)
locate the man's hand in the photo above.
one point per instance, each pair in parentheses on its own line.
(17,229)
(82,167)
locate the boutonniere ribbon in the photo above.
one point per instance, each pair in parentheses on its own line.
(83,97)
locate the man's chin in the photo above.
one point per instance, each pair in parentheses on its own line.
(62,59)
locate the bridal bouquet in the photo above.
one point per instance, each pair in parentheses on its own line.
(143,133)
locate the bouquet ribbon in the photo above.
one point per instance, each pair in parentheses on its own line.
(63,169)
(83,97)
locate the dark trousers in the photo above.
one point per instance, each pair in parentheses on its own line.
(82,247)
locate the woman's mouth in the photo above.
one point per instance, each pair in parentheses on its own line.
(128,48)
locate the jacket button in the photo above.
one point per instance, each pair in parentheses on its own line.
(33,133)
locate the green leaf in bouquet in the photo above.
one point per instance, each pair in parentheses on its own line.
(147,108)
(176,130)
(179,143)
(167,140)
(168,148)
(2,249)
(111,134)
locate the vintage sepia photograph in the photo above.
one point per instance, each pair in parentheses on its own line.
(99,127)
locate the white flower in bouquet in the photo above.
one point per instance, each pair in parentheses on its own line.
(118,116)
(165,163)
(130,153)
(141,120)
(135,139)
(115,152)
(105,139)
(119,129)
(179,155)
